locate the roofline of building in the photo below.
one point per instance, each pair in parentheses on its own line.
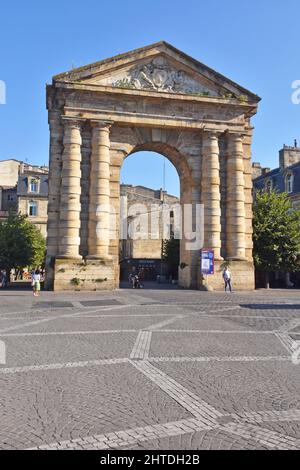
(277,171)
(11,160)
(150,189)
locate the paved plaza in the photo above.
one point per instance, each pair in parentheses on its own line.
(150,369)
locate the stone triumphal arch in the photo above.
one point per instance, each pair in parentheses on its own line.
(159,99)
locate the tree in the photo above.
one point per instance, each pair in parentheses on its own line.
(171,256)
(21,243)
(276,234)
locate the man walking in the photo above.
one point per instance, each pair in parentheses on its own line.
(227,279)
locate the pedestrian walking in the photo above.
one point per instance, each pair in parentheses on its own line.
(3,278)
(36,282)
(227,279)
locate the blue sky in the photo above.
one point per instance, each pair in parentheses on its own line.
(255,43)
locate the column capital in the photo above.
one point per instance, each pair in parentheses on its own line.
(211,133)
(71,122)
(100,124)
(235,136)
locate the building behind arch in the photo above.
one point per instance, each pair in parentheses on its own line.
(24,190)
(285,178)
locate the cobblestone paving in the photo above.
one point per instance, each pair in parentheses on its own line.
(150,369)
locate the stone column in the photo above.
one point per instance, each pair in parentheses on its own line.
(86,150)
(99,196)
(69,240)
(55,165)
(235,199)
(210,192)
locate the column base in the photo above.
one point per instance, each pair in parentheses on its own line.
(242,272)
(77,274)
(185,277)
(106,258)
(236,258)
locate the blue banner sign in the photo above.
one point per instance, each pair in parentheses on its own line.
(207,262)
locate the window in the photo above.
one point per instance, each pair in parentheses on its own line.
(32,209)
(172,231)
(289,183)
(33,186)
(269,186)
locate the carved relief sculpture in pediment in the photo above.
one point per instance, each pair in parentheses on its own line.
(158,75)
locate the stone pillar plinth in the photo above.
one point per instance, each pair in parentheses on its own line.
(235,199)
(69,225)
(210,192)
(99,194)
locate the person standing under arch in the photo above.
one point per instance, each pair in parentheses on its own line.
(36,282)
(227,279)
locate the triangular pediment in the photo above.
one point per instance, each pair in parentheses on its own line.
(160,68)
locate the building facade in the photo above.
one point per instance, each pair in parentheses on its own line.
(158,99)
(28,193)
(32,192)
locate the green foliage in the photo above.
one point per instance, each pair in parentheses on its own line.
(276,234)
(124,83)
(228,95)
(243,98)
(171,256)
(75,281)
(21,243)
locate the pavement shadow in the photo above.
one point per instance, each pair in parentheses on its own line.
(271,306)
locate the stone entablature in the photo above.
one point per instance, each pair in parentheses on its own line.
(95,125)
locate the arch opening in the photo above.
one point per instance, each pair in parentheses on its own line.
(150,193)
